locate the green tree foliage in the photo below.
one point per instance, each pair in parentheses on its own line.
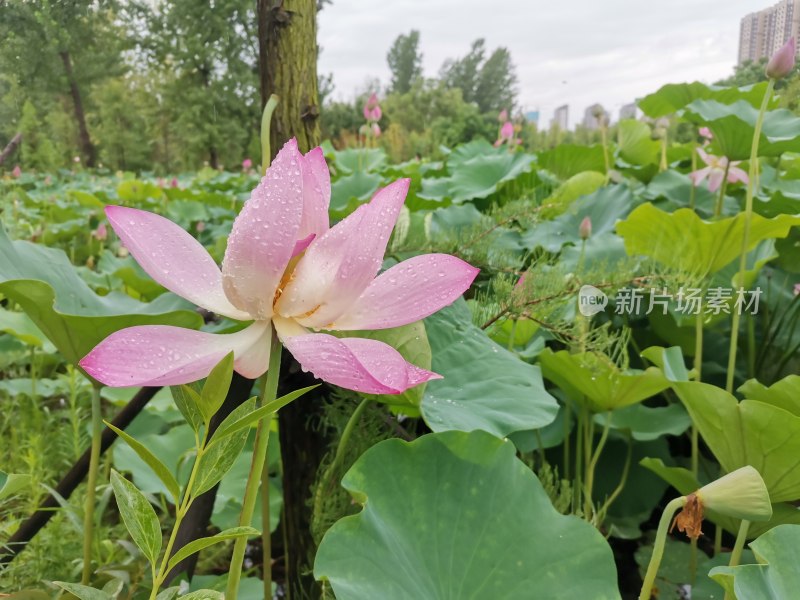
(488,82)
(207,62)
(56,50)
(405,62)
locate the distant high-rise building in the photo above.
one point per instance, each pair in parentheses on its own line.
(591,116)
(561,117)
(532,116)
(628,111)
(762,33)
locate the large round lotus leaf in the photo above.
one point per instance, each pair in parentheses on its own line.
(733,126)
(673,97)
(776,578)
(683,241)
(453,516)
(510,398)
(47,287)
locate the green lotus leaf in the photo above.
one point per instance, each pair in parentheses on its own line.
(457,515)
(512,399)
(594,380)
(75,319)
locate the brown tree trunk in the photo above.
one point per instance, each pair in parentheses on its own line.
(287,44)
(287,31)
(87,148)
(303,447)
(9,149)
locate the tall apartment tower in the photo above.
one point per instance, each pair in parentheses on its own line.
(560,117)
(762,33)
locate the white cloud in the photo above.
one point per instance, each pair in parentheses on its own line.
(575,52)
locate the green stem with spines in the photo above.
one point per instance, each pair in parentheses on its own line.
(658,546)
(91,485)
(736,553)
(269,394)
(180,512)
(338,458)
(748,214)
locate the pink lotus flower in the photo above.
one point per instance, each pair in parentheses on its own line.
(372,110)
(715,171)
(705,133)
(376,130)
(506,134)
(283,268)
(247,164)
(101,233)
(174,182)
(17,172)
(782,62)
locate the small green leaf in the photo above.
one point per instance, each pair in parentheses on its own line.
(230,426)
(216,387)
(204,595)
(114,587)
(82,591)
(138,515)
(669,360)
(11,483)
(205,542)
(168,594)
(159,468)
(218,458)
(188,402)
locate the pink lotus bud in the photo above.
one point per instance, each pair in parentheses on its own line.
(76,159)
(160,182)
(705,132)
(797,289)
(174,182)
(101,233)
(372,110)
(507,130)
(585,229)
(503,116)
(782,62)
(200,227)
(376,130)
(247,164)
(17,172)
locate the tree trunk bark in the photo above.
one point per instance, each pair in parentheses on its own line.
(87,148)
(9,149)
(287,61)
(287,31)
(303,447)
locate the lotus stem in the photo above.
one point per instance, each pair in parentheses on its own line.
(692,186)
(266,122)
(180,513)
(592,465)
(658,547)
(722,188)
(269,394)
(91,486)
(338,458)
(748,214)
(736,554)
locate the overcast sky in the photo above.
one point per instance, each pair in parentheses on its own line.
(576,52)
